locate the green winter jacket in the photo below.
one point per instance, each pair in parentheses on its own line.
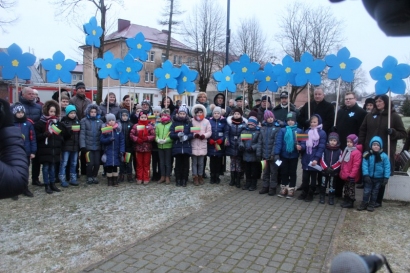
(162,132)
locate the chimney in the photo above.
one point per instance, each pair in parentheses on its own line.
(123,24)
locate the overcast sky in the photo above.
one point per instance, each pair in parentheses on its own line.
(38,29)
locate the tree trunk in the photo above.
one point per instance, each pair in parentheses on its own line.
(169,30)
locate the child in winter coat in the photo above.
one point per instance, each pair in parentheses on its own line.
(287,150)
(351,161)
(70,147)
(126,126)
(90,141)
(251,149)
(331,166)
(376,172)
(143,134)
(267,138)
(113,141)
(199,145)
(236,124)
(181,147)
(312,151)
(216,147)
(162,132)
(156,172)
(28,133)
(49,134)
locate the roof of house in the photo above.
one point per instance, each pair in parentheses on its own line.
(151,35)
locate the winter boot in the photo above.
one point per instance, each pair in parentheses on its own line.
(114,181)
(283,191)
(217,179)
(348,204)
(291,193)
(322,195)
(331,197)
(303,195)
(178,182)
(48,189)
(196,183)
(272,191)
(63,182)
(109,181)
(233,180)
(238,180)
(264,190)
(161,180)
(309,196)
(371,206)
(200,179)
(212,180)
(183,182)
(362,206)
(167,180)
(247,184)
(54,188)
(95,180)
(254,182)
(129,178)
(90,180)
(73,179)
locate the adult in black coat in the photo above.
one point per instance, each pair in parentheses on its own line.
(281,110)
(318,106)
(13,158)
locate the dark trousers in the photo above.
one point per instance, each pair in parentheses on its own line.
(165,161)
(94,165)
(251,170)
(215,164)
(380,194)
(309,180)
(155,164)
(371,190)
(182,166)
(288,170)
(270,174)
(338,184)
(35,168)
(81,162)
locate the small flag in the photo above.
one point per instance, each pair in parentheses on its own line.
(106,129)
(55,129)
(263,162)
(23,136)
(195,129)
(127,157)
(246,136)
(87,157)
(179,128)
(217,147)
(152,117)
(140,127)
(302,137)
(75,128)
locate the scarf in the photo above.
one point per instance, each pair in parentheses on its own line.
(346,154)
(284,106)
(144,122)
(289,139)
(237,121)
(48,120)
(313,139)
(333,148)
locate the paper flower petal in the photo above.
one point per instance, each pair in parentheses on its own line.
(186,80)
(93,32)
(15,63)
(167,75)
(225,79)
(139,47)
(244,70)
(59,68)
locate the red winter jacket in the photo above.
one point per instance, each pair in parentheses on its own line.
(352,169)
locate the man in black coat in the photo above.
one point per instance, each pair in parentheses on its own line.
(281,110)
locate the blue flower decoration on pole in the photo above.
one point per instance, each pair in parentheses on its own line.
(167,75)
(59,68)
(285,71)
(225,79)
(308,70)
(16,63)
(107,66)
(244,70)
(267,79)
(186,80)
(342,65)
(93,32)
(128,69)
(390,76)
(139,47)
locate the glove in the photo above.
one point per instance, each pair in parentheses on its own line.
(351,180)
(390,131)
(367,179)
(47,134)
(6,117)
(227,143)
(249,149)
(241,147)
(112,139)
(272,158)
(219,141)
(184,138)
(211,141)
(196,136)
(83,150)
(333,129)
(276,158)
(385,181)
(202,137)
(139,140)
(329,170)
(144,138)
(181,134)
(161,141)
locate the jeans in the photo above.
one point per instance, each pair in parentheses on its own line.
(48,172)
(165,161)
(68,157)
(197,165)
(371,190)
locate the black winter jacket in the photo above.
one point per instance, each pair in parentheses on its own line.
(71,138)
(49,147)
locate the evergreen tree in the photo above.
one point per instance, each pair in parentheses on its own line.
(405,108)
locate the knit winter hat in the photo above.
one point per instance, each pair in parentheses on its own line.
(18,107)
(217,109)
(110,117)
(183,108)
(145,102)
(253,113)
(268,114)
(253,120)
(69,109)
(353,138)
(333,135)
(266,97)
(143,113)
(138,107)
(291,116)
(156,108)
(239,110)
(79,85)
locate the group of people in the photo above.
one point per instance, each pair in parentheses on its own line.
(123,136)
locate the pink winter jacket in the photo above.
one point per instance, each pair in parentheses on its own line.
(352,169)
(199,146)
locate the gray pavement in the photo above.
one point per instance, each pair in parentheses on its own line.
(241,232)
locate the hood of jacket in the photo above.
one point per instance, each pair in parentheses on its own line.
(92,106)
(376,139)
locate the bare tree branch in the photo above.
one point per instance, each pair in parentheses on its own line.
(6,20)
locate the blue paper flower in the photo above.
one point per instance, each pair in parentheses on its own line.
(342,65)
(186,80)
(93,32)
(308,70)
(267,79)
(225,79)
(59,68)
(244,70)
(167,75)
(285,71)
(139,47)
(107,66)
(128,69)
(15,63)
(390,76)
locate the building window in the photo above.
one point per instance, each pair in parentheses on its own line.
(152,77)
(149,97)
(146,76)
(163,58)
(74,77)
(190,100)
(175,59)
(80,77)
(179,60)
(152,56)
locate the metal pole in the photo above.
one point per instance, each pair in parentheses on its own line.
(228,40)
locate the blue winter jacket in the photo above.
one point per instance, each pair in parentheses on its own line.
(280,145)
(251,148)
(376,169)
(267,138)
(113,148)
(232,135)
(30,141)
(317,151)
(179,147)
(218,128)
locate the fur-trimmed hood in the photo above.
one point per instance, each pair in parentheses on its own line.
(199,106)
(48,104)
(92,106)
(229,120)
